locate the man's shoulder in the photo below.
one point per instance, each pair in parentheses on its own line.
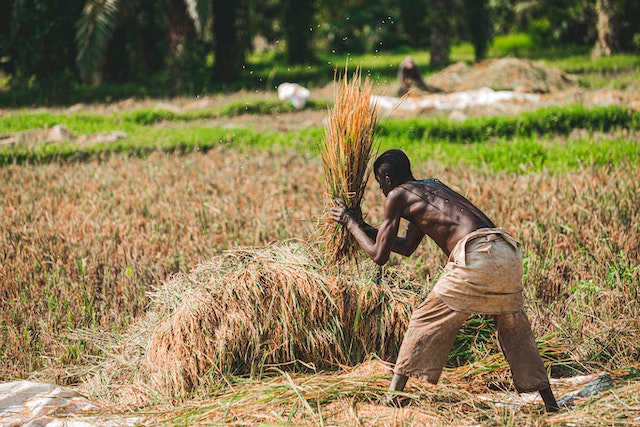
(399,197)
(402,191)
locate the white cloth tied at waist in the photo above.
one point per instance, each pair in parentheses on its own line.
(483,274)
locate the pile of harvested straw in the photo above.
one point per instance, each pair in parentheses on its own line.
(346,151)
(247,310)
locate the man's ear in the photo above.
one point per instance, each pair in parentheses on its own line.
(388,179)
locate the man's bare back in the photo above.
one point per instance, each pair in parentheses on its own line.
(440,212)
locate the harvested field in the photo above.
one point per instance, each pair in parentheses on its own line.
(250,311)
(125,226)
(190,289)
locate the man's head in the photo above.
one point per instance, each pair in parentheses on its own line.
(391,169)
(408,62)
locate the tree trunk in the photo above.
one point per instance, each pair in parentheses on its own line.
(477,15)
(6,15)
(298,20)
(607,42)
(413,14)
(439,36)
(227,50)
(181,31)
(180,26)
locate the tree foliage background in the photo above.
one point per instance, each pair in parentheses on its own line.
(187,45)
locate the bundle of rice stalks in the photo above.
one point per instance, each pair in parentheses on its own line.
(248,310)
(346,151)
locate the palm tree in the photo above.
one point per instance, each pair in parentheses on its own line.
(298,20)
(93,34)
(478,20)
(36,41)
(440,15)
(607,42)
(227,50)
(100,18)
(5,31)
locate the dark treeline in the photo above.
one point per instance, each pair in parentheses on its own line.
(187,45)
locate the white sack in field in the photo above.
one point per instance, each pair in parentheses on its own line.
(295,93)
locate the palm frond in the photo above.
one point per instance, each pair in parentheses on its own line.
(93,33)
(198,12)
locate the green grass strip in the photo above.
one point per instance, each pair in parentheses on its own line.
(520,144)
(546,121)
(86,123)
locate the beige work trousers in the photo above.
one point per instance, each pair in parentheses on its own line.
(432,331)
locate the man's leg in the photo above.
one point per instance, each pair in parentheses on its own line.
(521,351)
(426,345)
(398,381)
(549,400)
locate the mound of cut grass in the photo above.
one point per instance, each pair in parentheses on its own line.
(251,309)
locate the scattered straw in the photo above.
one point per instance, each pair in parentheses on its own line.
(346,151)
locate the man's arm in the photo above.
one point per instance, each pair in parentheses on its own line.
(379,243)
(402,245)
(409,243)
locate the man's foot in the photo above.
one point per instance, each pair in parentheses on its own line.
(393,400)
(398,381)
(550,403)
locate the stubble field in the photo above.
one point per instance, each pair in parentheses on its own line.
(84,243)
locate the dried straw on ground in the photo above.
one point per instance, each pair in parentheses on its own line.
(346,151)
(248,310)
(351,396)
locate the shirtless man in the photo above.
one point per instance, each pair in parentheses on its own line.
(483,276)
(409,74)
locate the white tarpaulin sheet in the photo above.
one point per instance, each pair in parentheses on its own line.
(453,101)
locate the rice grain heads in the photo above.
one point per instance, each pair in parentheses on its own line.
(248,310)
(346,150)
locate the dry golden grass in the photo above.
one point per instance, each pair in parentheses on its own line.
(82,245)
(346,151)
(351,396)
